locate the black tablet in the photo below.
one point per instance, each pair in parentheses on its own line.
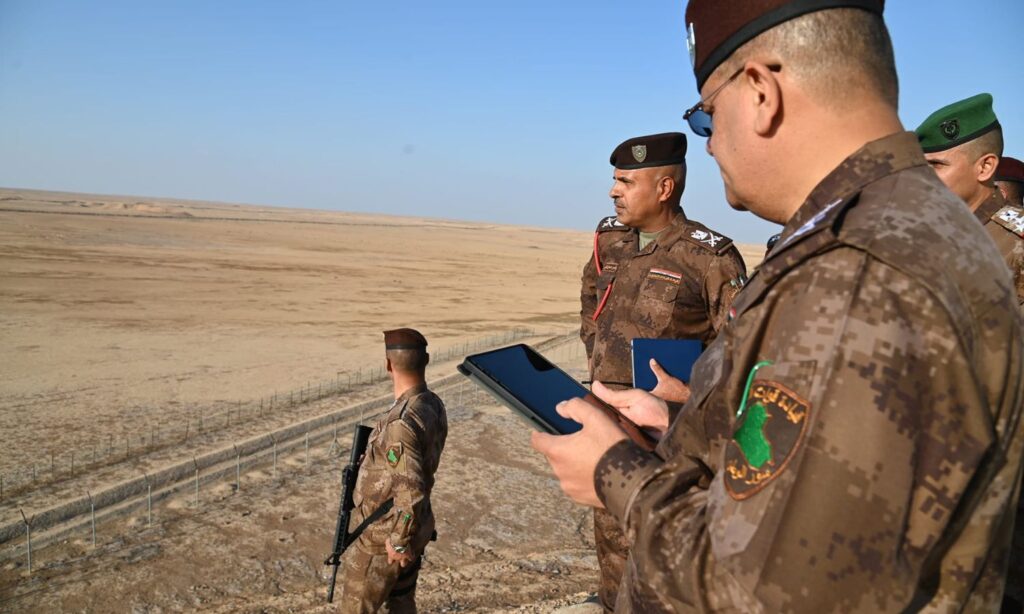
(520,378)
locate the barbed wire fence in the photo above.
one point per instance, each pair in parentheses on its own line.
(66,462)
(323,439)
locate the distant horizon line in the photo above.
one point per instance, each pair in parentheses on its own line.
(149,199)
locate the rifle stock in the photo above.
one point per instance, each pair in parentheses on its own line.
(342,537)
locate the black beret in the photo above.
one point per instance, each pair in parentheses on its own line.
(714,29)
(664,149)
(404,339)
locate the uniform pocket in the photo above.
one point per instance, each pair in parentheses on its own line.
(602,282)
(656,301)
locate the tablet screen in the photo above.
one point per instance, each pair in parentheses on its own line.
(533,380)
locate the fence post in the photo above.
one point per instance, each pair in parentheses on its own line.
(275,454)
(92,515)
(51,461)
(196,465)
(187,421)
(307,448)
(1,486)
(238,470)
(149,500)
(127,446)
(28,537)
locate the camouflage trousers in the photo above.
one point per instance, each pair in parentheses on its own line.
(612,550)
(370,584)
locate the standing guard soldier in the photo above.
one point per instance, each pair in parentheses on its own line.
(382,566)
(853,437)
(964,143)
(653,273)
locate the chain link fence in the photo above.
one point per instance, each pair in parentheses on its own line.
(101,450)
(318,440)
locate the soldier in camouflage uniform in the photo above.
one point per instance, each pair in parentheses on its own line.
(653,273)
(963,142)
(853,439)
(381,568)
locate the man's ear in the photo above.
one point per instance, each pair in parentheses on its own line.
(763,92)
(985,167)
(666,186)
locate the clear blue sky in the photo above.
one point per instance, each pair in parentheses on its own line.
(462,109)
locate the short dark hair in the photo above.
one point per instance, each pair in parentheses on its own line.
(833,52)
(408,361)
(989,143)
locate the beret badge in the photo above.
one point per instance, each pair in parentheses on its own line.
(691,44)
(950,129)
(639,152)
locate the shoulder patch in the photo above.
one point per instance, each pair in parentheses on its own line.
(771,427)
(394,454)
(611,223)
(1011,218)
(706,238)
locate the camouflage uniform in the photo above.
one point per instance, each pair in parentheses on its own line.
(680,286)
(853,440)
(1005,224)
(401,459)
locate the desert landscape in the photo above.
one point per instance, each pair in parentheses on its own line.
(146,333)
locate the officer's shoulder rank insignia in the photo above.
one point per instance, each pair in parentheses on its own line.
(394,454)
(611,223)
(770,423)
(1011,218)
(707,239)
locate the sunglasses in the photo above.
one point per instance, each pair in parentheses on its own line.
(699,119)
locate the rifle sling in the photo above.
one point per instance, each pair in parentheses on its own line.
(372,518)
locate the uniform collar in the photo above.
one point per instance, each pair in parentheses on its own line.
(879,158)
(668,235)
(410,393)
(811,229)
(992,204)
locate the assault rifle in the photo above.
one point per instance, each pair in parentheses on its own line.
(342,538)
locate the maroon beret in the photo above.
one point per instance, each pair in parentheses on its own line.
(1010,169)
(404,339)
(714,29)
(666,149)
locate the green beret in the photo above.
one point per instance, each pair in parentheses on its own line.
(664,149)
(404,339)
(716,28)
(957,124)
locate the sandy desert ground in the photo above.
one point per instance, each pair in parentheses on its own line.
(121,316)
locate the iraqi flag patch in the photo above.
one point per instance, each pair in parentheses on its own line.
(664,275)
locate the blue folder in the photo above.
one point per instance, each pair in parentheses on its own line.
(676,356)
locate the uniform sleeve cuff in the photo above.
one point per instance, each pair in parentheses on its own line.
(620,473)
